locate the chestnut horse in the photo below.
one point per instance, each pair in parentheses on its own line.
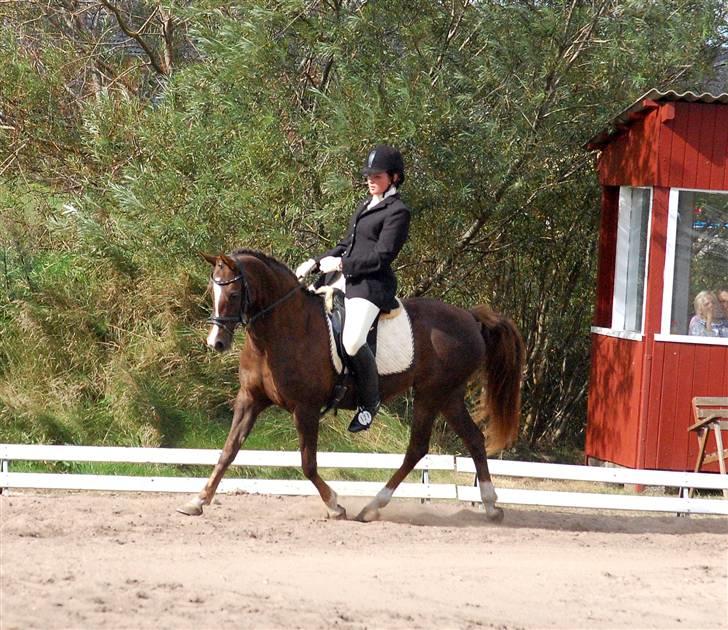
(286,362)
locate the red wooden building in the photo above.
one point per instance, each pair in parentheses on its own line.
(663,167)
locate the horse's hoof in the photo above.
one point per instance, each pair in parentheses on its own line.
(336,515)
(367,516)
(191,508)
(494,515)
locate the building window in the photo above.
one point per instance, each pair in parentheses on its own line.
(697,292)
(631,259)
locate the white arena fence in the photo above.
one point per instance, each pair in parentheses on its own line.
(679,504)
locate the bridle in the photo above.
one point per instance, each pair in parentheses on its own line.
(242,317)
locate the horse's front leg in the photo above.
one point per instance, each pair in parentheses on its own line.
(307,424)
(245,413)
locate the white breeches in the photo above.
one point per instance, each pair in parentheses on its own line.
(360,314)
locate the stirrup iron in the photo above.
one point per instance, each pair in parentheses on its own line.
(367,389)
(362,419)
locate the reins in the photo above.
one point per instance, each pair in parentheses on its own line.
(270,307)
(242,316)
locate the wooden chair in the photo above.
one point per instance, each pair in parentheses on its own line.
(710,413)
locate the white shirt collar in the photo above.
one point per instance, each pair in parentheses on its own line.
(392,190)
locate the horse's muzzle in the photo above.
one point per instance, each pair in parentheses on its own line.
(219,339)
(219,346)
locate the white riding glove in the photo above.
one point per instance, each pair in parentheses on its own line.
(305,268)
(329,264)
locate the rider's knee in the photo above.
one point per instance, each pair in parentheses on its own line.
(352,343)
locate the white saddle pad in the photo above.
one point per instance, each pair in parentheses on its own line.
(395,344)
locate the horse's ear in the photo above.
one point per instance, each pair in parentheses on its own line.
(229,262)
(209,258)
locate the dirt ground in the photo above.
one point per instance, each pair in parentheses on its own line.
(103,560)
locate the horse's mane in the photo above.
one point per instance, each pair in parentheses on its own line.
(264,258)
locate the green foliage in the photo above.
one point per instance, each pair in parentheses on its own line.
(36,122)
(256,139)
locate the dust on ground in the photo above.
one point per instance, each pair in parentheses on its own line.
(125,560)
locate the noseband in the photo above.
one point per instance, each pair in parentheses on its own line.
(242,317)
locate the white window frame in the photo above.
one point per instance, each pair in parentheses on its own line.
(669,275)
(619,302)
(617,334)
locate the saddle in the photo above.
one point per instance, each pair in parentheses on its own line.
(336,312)
(390,340)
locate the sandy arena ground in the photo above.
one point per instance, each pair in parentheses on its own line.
(102,560)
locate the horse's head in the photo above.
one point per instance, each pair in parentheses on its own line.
(227,285)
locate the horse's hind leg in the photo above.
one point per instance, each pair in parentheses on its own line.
(307,424)
(422,420)
(245,413)
(460,421)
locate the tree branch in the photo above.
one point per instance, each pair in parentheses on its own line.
(452,30)
(568,53)
(168,26)
(137,37)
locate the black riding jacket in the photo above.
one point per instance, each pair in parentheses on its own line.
(374,239)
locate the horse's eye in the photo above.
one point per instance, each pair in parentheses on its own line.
(235,295)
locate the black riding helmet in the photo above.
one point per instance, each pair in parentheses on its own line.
(384,159)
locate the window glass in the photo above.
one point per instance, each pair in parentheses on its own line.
(700,277)
(631,259)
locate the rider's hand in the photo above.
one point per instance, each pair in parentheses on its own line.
(329,264)
(305,268)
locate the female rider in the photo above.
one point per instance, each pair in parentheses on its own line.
(377,232)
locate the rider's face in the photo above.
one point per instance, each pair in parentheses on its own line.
(378,183)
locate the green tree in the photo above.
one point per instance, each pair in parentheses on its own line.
(257,141)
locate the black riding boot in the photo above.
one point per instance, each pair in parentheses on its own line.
(367,387)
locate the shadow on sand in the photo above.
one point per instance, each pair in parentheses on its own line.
(554,519)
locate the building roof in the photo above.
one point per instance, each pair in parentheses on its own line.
(640,108)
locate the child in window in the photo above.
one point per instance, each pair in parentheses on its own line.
(709,319)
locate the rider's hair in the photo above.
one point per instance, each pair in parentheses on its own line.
(401,177)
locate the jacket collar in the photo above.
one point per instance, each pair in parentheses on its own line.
(376,199)
(365,207)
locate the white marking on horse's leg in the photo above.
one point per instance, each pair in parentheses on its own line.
(193,507)
(215,329)
(334,510)
(384,496)
(487,493)
(489,497)
(371,510)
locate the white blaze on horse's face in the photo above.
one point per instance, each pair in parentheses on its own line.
(227,289)
(216,335)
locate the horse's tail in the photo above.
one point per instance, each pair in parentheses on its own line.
(500,402)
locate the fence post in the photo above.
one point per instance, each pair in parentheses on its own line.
(5,468)
(425,479)
(476,484)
